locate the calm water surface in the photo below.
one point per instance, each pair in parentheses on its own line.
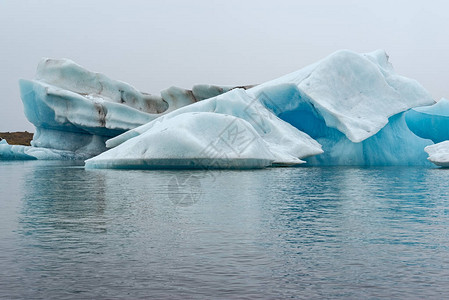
(337,232)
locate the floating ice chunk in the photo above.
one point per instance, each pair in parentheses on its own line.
(282,139)
(430,122)
(202,140)
(439,154)
(351,103)
(14,152)
(354,93)
(19,152)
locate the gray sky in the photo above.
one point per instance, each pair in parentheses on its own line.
(155,44)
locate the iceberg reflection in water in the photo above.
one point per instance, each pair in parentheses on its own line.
(67,232)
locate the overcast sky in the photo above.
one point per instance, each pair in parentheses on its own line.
(156,44)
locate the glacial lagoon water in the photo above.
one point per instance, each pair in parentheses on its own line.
(348,232)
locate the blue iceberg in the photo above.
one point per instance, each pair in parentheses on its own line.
(351,104)
(346,109)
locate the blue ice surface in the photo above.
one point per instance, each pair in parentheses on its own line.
(394,144)
(430,122)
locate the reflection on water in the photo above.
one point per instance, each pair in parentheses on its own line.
(66,232)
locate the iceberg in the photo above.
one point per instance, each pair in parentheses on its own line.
(430,122)
(346,109)
(439,154)
(351,104)
(19,152)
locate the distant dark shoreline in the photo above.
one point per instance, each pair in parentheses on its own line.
(17,138)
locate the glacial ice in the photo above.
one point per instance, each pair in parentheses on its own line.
(430,122)
(352,106)
(439,154)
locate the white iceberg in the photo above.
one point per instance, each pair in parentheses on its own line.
(353,105)
(439,154)
(191,140)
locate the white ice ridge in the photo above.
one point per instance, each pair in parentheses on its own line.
(439,154)
(354,93)
(286,144)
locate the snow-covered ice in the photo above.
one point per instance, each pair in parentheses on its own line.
(191,140)
(439,154)
(354,93)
